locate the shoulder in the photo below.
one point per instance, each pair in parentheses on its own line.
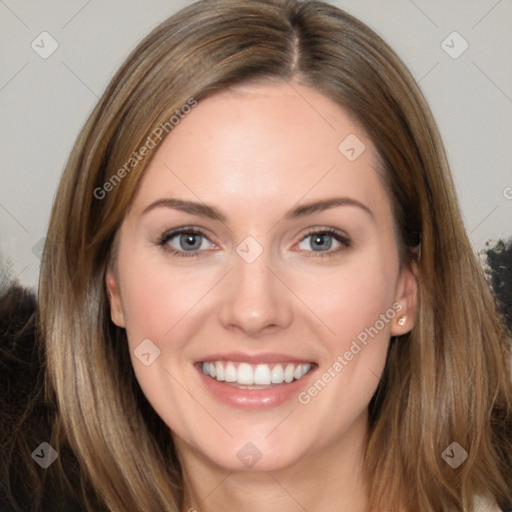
(26,416)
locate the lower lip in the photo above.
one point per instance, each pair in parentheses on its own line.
(254,398)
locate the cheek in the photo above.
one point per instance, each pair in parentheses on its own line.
(157,296)
(356,304)
(160,302)
(351,296)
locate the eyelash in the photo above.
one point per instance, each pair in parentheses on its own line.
(169,235)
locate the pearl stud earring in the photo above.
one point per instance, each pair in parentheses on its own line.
(401,321)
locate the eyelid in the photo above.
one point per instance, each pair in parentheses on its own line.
(327,230)
(171,233)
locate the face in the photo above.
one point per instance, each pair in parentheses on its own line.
(258,279)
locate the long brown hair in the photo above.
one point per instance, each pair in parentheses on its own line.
(446,381)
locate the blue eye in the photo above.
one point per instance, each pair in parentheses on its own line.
(189,241)
(320,241)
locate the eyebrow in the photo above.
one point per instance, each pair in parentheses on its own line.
(211,212)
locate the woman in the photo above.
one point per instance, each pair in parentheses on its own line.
(250,294)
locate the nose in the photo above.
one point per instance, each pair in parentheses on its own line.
(256,300)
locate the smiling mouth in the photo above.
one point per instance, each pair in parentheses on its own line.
(254,376)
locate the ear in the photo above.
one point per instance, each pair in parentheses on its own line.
(406,300)
(114,297)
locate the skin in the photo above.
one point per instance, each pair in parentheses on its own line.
(255,152)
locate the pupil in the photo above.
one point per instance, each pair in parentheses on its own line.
(189,241)
(320,242)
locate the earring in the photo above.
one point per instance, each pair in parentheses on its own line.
(401,321)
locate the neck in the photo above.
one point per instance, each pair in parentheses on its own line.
(327,479)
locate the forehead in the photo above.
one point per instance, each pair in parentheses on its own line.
(264,145)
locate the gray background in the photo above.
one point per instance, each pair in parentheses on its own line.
(45,102)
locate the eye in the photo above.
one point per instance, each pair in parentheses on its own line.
(189,242)
(322,240)
(184,242)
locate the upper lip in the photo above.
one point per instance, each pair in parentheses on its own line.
(264,357)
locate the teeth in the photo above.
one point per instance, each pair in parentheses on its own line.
(288,373)
(229,373)
(277,374)
(245,374)
(219,370)
(255,375)
(262,375)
